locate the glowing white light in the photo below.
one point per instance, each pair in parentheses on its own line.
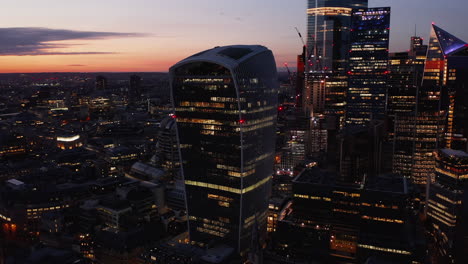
(68,139)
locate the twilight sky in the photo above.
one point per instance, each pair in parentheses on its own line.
(151,35)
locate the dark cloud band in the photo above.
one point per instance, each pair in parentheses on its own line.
(32,41)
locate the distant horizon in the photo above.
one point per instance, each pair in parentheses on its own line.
(280,69)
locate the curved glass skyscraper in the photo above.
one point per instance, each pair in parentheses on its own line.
(225,102)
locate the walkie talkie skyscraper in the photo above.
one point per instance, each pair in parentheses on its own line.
(225,103)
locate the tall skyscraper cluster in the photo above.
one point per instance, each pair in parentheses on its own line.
(370,154)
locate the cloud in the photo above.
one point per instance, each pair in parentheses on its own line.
(35,41)
(76,65)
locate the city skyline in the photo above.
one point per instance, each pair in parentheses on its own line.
(161,132)
(150,36)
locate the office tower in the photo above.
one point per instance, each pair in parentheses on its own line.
(406,71)
(360,152)
(368,66)
(456,80)
(336,223)
(318,136)
(135,85)
(225,102)
(440,115)
(328,24)
(447,207)
(417,46)
(328,39)
(300,77)
(431,110)
(295,148)
(167,150)
(405,76)
(101,82)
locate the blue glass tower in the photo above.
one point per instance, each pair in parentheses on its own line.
(328,40)
(368,65)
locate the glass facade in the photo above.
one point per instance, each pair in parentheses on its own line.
(431,111)
(441,107)
(225,103)
(328,40)
(456,55)
(328,23)
(406,70)
(332,222)
(447,207)
(368,65)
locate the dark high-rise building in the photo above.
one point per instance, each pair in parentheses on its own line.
(360,152)
(135,85)
(328,40)
(417,47)
(300,77)
(333,222)
(447,207)
(406,71)
(456,78)
(225,102)
(440,115)
(368,65)
(101,82)
(167,150)
(405,76)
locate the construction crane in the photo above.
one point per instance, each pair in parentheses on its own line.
(300,36)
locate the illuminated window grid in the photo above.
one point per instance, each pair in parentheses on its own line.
(329,11)
(226,188)
(390,250)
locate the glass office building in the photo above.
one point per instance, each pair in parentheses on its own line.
(368,65)
(328,40)
(328,24)
(225,103)
(447,203)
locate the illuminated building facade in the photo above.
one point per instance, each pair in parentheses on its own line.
(368,65)
(447,204)
(12,144)
(274,210)
(23,204)
(328,40)
(318,136)
(406,72)
(225,102)
(417,47)
(328,24)
(348,223)
(405,76)
(456,77)
(295,146)
(440,116)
